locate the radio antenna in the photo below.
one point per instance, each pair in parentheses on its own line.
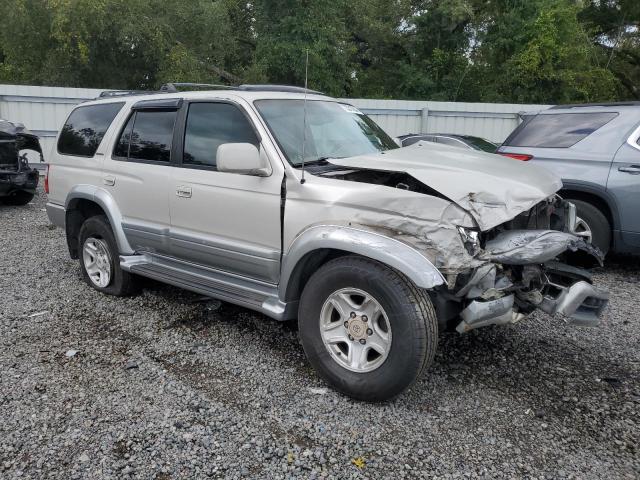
(304,114)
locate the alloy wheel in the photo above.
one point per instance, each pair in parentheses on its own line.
(355,330)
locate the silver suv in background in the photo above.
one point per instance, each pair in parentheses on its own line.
(595,149)
(297,205)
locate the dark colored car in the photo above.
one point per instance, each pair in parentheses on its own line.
(595,149)
(18,181)
(453,140)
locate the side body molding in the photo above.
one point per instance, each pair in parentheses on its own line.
(384,249)
(108,204)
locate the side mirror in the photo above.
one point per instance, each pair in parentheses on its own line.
(242,158)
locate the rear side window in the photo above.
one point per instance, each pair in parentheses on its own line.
(147,136)
(82,133)
(558,130)
(210,125)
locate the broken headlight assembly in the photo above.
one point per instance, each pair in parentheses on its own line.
(470,239)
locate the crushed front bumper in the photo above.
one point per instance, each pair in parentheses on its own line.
(524,275)
(581,303)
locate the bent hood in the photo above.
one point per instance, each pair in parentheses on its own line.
(492,188)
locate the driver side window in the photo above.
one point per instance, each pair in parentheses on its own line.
(210,125)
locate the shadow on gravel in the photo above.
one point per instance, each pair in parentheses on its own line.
(547,372)
(628,263)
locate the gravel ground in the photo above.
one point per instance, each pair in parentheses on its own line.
(163,386)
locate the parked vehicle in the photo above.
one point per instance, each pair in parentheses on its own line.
(299,206)
(18,181)
(454,140)
(595,149)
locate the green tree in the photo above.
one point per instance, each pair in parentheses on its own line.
(286,29)
(538,52)
(615,30)
(550,51)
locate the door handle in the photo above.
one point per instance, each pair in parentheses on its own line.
(632,169)
(183,191)
(109,180)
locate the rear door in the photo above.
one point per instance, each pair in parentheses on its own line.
(137,173)
(222,220)
(624,185)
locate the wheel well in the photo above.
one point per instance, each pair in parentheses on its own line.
(307,265)
(78,211)
(591,198)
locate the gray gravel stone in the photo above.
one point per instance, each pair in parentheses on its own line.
(223,392)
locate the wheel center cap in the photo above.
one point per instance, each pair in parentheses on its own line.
(357,328)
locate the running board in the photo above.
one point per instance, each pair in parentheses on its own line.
(236,289)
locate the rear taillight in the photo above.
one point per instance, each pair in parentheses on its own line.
(518,156)
(46,181)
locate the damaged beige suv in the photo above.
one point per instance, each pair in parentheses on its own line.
(299,206)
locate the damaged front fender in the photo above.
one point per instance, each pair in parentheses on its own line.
(391,252)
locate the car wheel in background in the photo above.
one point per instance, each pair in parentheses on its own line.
(592,225)
(366,329)
(18,198)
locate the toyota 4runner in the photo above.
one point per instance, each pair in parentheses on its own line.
(297,205)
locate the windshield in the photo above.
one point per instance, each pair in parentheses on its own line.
(334,130)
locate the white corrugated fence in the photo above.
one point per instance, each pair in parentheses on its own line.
(493,121)
(44,110)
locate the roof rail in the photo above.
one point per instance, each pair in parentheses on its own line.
(173,87)
(125,93)
(277,88)
(603,104)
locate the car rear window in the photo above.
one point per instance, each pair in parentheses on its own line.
(84,129)
(558,130)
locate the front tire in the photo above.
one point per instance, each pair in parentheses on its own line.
(100,259)
(366,329)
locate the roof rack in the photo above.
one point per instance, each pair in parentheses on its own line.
(603,104)
(124,93)
(173,88)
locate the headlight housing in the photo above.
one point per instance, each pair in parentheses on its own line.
(470,239)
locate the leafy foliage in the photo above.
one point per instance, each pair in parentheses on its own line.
(546,51)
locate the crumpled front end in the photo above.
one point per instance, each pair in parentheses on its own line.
(532,262)
(15,172)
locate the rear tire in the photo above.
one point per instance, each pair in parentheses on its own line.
(18,198)
(596,222)
(409,340)
(100,259)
